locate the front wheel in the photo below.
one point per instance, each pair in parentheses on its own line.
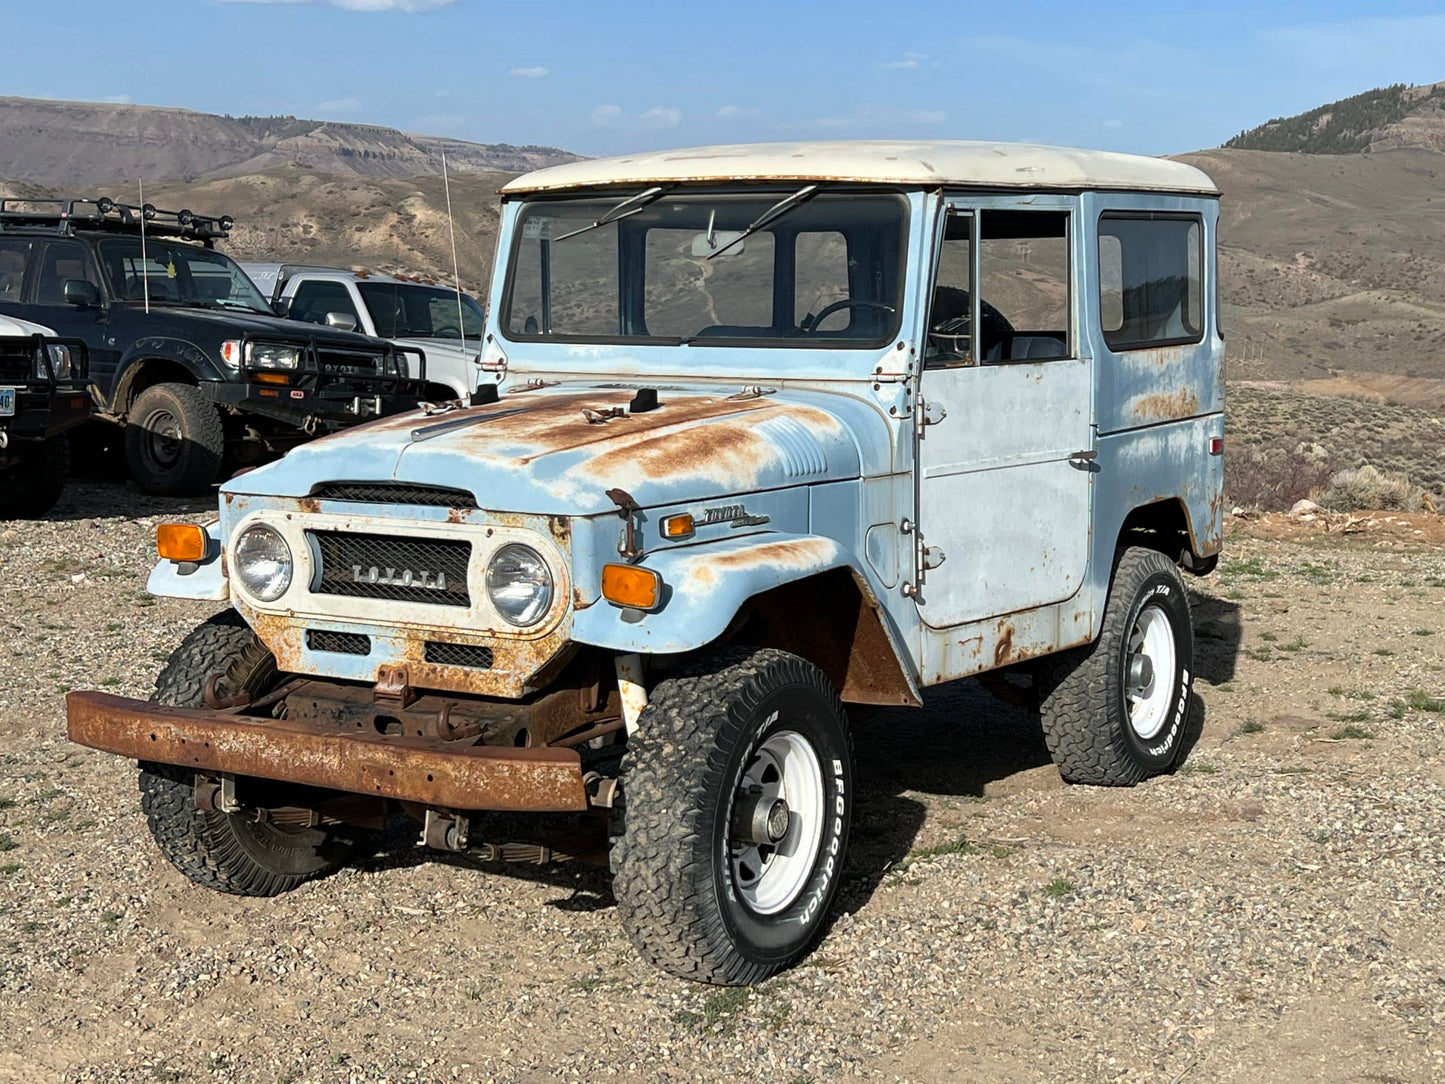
(222,851)
(1115,712)
(737,790)
(173,440)
(31,487)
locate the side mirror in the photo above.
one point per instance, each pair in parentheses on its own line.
(282,307)
(81,292)
(343,321)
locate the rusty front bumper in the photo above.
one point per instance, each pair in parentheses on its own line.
(430,772)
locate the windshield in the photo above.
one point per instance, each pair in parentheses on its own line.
(178,274)
(400,311)
(823,269)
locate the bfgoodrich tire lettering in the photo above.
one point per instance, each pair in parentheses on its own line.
(681,894)
(217,850)
(1094,700)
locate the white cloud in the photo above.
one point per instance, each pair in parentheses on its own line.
(910,61)
(406,7)
(340,105)
(735,112)
(659,116)
(537,72)
(1113,124)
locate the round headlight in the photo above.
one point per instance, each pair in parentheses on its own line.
(263,563)
(519,584)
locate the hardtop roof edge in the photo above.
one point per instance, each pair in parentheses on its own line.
(928,164)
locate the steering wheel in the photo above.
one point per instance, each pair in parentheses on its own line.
(441,332)
(810,323)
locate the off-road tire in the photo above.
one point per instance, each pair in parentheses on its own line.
(200,440)
(673,874)
(31,487)
(1082,691)
(218,850)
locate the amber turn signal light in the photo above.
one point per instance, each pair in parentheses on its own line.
(270,378)
(678,526)
(629,585)
(181,542)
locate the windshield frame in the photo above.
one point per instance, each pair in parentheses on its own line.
(768,195)
(211,255)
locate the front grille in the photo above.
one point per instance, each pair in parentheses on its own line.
(345,363)
(472,655)
(17,360)
(394,493)
(338,643)
(430,570)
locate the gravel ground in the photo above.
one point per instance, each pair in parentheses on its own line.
(1272,908)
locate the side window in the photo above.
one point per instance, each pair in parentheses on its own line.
(1151,288)
(315,298)
(61,261)
(950,339)
(820,260)
(14,252)
(1025,297)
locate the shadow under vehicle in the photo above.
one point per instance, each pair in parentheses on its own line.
(185,354)
(771,430)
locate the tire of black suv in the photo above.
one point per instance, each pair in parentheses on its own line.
(216,850)
(31,487)
(737,790)
(1115,712)
(173,440)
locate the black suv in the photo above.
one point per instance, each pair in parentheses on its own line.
(184,351)
(42,396)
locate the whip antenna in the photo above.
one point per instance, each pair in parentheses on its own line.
(456,273)
(145,278)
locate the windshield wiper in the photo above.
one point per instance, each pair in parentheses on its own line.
(777,210)
(630,206)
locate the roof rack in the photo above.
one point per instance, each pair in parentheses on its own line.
(66,215)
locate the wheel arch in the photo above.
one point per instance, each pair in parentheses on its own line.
(1166,526)
(160,361)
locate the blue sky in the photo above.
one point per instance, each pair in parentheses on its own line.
(609,78)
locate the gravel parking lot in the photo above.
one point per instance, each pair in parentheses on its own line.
(1271,910)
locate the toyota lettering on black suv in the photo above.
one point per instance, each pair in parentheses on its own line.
(185,353)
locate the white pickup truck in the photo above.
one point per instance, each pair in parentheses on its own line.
(445,325)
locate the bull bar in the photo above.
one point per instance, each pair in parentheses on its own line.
(427,771)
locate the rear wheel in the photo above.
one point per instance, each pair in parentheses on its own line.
(31,486)
(736,789)
(1114,712)
(223,851)
(173,440)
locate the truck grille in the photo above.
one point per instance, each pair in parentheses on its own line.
(430,570)
(338,643)
(347,363)
(17,359)
(394,493)
(475,656)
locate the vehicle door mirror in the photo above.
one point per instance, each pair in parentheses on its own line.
(343,321)
(81,292)
(281,307)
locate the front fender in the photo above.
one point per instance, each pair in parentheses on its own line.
(205,581)
(194,359)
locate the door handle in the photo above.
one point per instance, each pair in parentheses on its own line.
(1085,460)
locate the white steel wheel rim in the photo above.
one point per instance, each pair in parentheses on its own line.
(1151,640)
(769,877)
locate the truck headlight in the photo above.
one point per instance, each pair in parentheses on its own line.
(269,356)
(519,584)
(60,367)
(263,562)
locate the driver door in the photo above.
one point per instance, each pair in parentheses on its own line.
(1005,447)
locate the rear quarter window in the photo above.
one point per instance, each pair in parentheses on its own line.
(1151,280)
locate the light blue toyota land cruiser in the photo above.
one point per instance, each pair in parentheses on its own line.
(765,431)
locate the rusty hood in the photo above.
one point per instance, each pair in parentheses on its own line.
(557,450)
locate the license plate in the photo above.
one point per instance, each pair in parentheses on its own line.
(7,402)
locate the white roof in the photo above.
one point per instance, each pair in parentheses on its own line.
(958,162)
(10,325)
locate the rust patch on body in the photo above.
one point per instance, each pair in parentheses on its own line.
(1149,408)
(1003,648)
(423,770)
